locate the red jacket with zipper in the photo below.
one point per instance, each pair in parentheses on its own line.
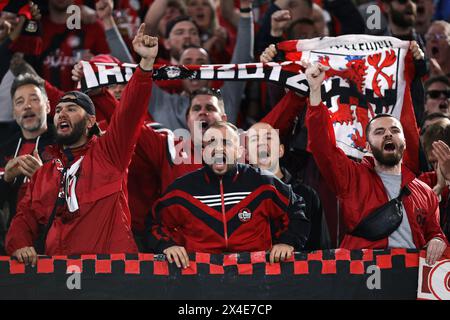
(360,189)
(102,222)
(243,210)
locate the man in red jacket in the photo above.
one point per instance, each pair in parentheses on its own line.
(79,199)
(364,187)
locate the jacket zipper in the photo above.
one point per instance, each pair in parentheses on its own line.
(224,217)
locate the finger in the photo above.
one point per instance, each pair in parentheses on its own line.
(26,169)
(430,253)
(283,254)
(169,256)
(277,256)
(272,255)
(37,156)
(186,256)
(322,67)
(34,257)
(182,256)
(25,257)
(18,255)
(289,254)
(176,259)
(32,161)
(141,29)
(31,257)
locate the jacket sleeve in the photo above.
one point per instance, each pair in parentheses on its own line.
(105,105)
(431,227)
(153,147)
(291,222)
(120,139)
(337,169)
(162,224)
(24,226)
(53,94)
(282,116)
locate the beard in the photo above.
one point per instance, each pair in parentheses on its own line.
(388,160)
(78,130)
(399,19)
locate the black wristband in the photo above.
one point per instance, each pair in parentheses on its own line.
(245,10)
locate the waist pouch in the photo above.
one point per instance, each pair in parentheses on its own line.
(384,220)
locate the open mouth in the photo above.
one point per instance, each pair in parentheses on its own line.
(434,51)
(63,126)
(443,107)
(389,146)
(28,116)
(263,156)
(200,16)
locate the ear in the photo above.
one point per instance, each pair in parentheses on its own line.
(47,107)
(224,117)
(167,45)
(368,148)
(281,152)
(91,121)
(241,151)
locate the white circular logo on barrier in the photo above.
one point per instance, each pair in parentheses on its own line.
(439,280)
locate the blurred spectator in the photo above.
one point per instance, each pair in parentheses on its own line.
(425,12)
(431,119)
(160,13)
(438,48)
(24,152)
(64,47)
(437,90)
(264,152)
(442,10)
(170,109)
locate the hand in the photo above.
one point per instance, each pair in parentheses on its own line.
(26,255)
(440,185)
(5,28)
(283,4)
(104,9)
(315,74)
(146,46)
(280,20)
(435,249)
(12,170)
(416,51)
(280,252)
(77,72)
(435,68)
(29,164)
(35,12)
(442,153)
(177,254)
(88,15)
(269,53)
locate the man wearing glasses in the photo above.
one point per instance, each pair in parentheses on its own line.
(437,97)
(438,47)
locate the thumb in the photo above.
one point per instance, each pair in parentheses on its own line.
(36,154)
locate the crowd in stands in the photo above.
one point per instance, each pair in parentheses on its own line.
(103,171)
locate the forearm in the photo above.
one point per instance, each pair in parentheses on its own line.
(347,14)
(154,14)
(117,46)
(264,39)
(6,56)
(228,12)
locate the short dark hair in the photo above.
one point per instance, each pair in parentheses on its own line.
(435,132)
(172,23)
(224,124)
(432,116)
(194,46)
(378,116)
(208,92)
(299,21)
(25,79)
(435,79)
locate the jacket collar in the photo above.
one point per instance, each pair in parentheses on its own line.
(230,174)
(68,155)
(407,175)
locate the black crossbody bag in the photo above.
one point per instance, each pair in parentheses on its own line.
(383,221)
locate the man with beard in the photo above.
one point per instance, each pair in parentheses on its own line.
(265,152)
(79,199)
(401,16)
(365,188)
(23,153)
(228,207)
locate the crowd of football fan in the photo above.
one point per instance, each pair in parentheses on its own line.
(103,171)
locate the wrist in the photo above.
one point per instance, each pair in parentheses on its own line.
(146,64)
(276,33)
(315,97)
(108,22)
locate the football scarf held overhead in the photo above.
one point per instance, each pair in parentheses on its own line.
(368,75)
(20,7)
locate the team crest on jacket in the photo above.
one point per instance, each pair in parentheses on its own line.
(244,215)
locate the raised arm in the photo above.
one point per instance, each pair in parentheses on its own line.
(123,131)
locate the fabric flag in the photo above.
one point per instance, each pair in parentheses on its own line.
(368,75)
(434,281)
(20,7)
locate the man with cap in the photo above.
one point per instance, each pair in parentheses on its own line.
(77,203)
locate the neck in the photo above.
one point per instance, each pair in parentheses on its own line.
(34,134)
(397,169)
(278,173)
(57,16)
(83,140)
(400,31)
